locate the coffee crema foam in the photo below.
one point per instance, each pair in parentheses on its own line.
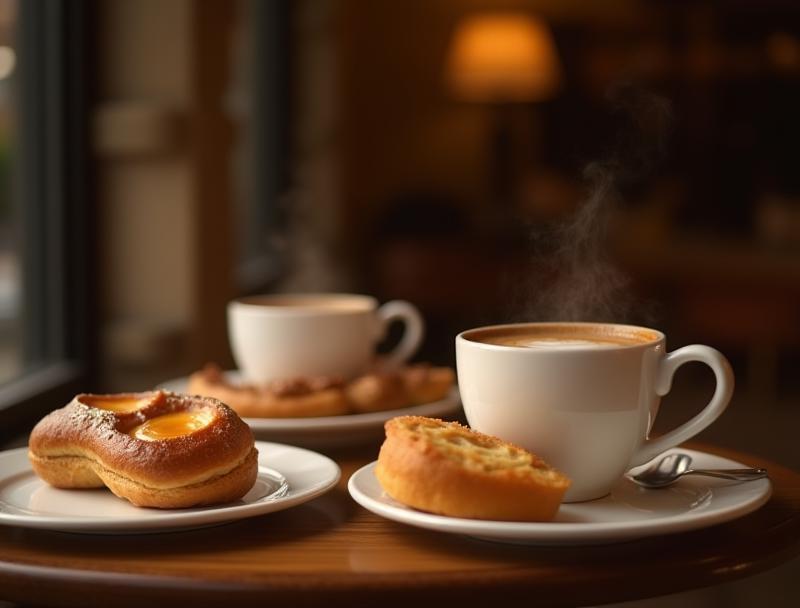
(564,337)
(552,343)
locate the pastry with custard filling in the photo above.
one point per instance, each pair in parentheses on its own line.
(155,449)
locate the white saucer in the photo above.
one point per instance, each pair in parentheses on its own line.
(330,431)
(629,512)
(294,476)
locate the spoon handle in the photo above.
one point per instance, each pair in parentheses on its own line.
(737,474)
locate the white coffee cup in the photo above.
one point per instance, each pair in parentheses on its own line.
(282,336)
(583,396)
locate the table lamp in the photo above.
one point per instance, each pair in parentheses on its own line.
(502,59)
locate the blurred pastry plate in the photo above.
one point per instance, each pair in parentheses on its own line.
(333,431)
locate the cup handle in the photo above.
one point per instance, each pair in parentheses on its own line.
(414,329)
(719,401)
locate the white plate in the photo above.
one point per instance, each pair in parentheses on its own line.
(629,512)
(293,476)
(330,431)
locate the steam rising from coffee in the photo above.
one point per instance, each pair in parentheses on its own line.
(577,281)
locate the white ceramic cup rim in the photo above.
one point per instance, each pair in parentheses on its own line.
(265,305)
(614,329)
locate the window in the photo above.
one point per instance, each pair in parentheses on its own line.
(44,228)
(10,275)
(259,100)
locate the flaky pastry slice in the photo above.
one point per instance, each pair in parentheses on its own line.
(446,468)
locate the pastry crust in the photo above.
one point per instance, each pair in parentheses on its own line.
(83,445)
(448,469)
(378,390)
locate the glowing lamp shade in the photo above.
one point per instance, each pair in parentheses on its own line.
(502,57)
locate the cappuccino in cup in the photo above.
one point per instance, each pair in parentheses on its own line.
(583,396)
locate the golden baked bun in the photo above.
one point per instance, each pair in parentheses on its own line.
(448,469)
(155,449)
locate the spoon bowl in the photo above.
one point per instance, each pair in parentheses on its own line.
(668,469)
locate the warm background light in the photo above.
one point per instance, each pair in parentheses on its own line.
(503,57)
(8,59)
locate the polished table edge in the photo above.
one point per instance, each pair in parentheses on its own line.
(39,581)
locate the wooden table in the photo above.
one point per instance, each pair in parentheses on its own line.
(332,552)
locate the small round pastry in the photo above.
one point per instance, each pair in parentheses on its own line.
(426,384)
(445,468)
(377,391)
(294,398)
(389,389)
(155,449)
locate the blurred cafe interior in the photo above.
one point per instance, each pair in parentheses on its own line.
(489,161)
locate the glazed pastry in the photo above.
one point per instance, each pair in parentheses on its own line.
(449,469)
(155,449)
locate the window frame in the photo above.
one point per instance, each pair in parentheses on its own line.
(54,211)
(269,152)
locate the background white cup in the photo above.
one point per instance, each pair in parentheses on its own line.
(586,410)
(283,336)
